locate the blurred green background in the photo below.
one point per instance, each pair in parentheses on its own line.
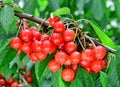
(105,12)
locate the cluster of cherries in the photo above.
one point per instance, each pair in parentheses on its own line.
(11,82)
(37,46)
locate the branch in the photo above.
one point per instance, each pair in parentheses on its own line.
(32,18)
(46,24)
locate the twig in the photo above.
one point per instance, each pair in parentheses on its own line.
(46,24)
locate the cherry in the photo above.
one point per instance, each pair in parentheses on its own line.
(61,57)
(46,46)
(37,35)
(29,79)
(26,35)
(56,39)
(84,63)
(29,73)
(45,37)
(87,55)
(37,46)
(16,43)
(19,52)
(70,47)
(97,65)
(54,66)
(33,57)
(75,57)
(61,46)
(88,69)
(74,67)
(100,52)
(10,80)
(68,35)
(52,21)
(2,82)
(41,56)
(67,62)
(68,74)
(53,49)
(15,84)
(26,47)
(59,27)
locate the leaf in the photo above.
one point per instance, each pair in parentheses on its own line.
(53,4)
(4,43)
(6,17)
(18,9)
(97,9)
(102,36)
(8,57)
(76,83)
(61,11)
(80,5)
(85,78)
(118,54)
(40,68)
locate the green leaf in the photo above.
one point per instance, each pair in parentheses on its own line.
(18,9)
(53,4)
(76,83)
(102,36)
(8,57)
(118,54)
(40,68)
(85,78)
(61,11)
(97,9)
(4,43)
(80,5)
(6,17)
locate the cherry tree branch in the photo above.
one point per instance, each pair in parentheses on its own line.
(46,24)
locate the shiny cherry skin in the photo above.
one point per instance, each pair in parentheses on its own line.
(33,57)
(75,57)
(68,74)
(37,46)
(41,56)
(53,66)
(26,47)
(53,20)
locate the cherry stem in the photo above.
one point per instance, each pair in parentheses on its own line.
(21,22)
(81,44)
(46,24)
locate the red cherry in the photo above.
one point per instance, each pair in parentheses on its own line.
(87,55)
(37,35)
(61,57)
(15,84)
(16,43)
(26,47)
(100,52)
(75,57)
(52,21)
(97,65)
(41,56)
(84,63)
(29,79)
(88,69)
(68,35)
(19,52)
(68,61)
(37,46)
(70,47)
(56,39)
(59,27)
(29,73)
(33,57)
(68,74)
(26,35)
(45,37)
(61,46)
(53,66)
(2,82)
(10,80)
(74,67)
(53,49)
(46,46)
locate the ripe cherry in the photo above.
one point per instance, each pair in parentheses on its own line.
(10,80)
(84,63)
(87,55)
(53,49)
(45,37)
(56,39)
(33,57)
(29,73)
(75,57)
(2,82)
(68,74)
(74,67)
(54,66)
(59,27)
(46,46)
(16,43)
(68,35)
(61,57)
(61,46)
(29,79)
(37,46)
(97,65)
(37,35)
(15,84)
(88,69)
(26,47)
(70,47)
(41,56)
(67,62)
(53,20)
(100,52)
(26,35)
